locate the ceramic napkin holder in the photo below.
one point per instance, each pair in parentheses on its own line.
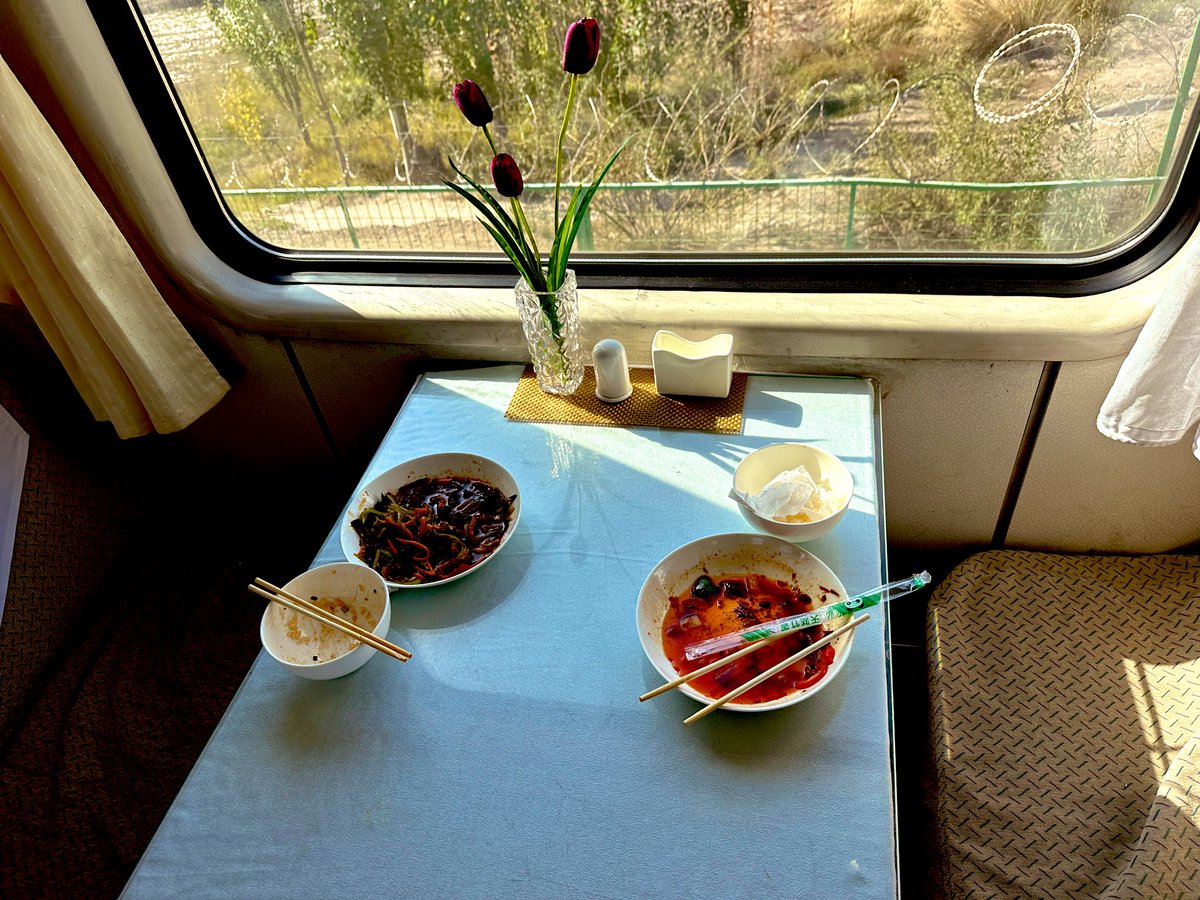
(694,368)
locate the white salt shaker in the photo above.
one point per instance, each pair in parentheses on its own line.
(612,371)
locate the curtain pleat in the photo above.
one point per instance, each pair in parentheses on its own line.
(129,357)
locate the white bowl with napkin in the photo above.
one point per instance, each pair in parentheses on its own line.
(794,491)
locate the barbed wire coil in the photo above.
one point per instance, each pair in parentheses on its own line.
(1035,106)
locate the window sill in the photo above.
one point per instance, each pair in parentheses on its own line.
(483,323)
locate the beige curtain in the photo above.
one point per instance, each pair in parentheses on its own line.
(130,358)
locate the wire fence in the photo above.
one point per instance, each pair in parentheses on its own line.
(832,208)
(769,215)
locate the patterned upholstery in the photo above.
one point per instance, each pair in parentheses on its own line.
(1163,862)
(1062,688)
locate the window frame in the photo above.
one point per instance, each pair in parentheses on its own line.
(1122,264)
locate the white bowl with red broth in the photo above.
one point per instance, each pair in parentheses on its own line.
(432,520)
(311,649)
(726,582)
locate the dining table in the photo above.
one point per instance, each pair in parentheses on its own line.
(511,757)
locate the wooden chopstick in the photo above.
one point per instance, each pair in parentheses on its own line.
(304,607)
(776,669)
(724,660)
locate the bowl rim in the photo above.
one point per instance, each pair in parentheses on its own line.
(842,645)
(384,621)
(348,538)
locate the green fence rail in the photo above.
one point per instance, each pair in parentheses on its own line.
(395,209)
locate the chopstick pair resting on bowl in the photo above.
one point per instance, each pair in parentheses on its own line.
(758,679)
(304,607)
(753,637)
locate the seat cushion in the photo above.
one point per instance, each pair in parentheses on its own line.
(1061,688)
(1163,862)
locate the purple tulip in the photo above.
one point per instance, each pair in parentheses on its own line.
(506,175)
(474,105)
(581,47)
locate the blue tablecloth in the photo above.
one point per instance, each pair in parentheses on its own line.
(511,757)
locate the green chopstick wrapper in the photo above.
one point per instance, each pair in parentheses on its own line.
(819,616)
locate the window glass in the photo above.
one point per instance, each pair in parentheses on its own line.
(754,126)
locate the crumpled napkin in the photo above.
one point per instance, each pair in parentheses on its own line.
(794,496)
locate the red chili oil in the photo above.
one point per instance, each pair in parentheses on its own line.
(716,606)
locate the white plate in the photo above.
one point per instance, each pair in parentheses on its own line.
(436,465)
(732,554)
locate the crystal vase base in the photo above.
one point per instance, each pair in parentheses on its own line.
(550,321)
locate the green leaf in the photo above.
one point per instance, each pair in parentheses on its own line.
(503,227)
(484,210)
(557,265)
(507,247)
(546,304)
(581,210)
(487,196)
(500,220)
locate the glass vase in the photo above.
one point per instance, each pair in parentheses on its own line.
(551,323)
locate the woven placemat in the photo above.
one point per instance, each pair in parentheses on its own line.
(645,406)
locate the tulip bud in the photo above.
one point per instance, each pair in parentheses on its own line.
(474,105)
(506,175)
(581,47)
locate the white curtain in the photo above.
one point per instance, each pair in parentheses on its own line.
(130,358)
(1155,399)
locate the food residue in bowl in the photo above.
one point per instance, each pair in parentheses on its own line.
(722,604)
(794,496)
(305,641)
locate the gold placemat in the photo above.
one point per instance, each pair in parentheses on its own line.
(645,406)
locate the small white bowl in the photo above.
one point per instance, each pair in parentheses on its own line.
(436,465)
(759,467)
(292,638)
(732,554)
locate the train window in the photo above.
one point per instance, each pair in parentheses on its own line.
(768,143)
